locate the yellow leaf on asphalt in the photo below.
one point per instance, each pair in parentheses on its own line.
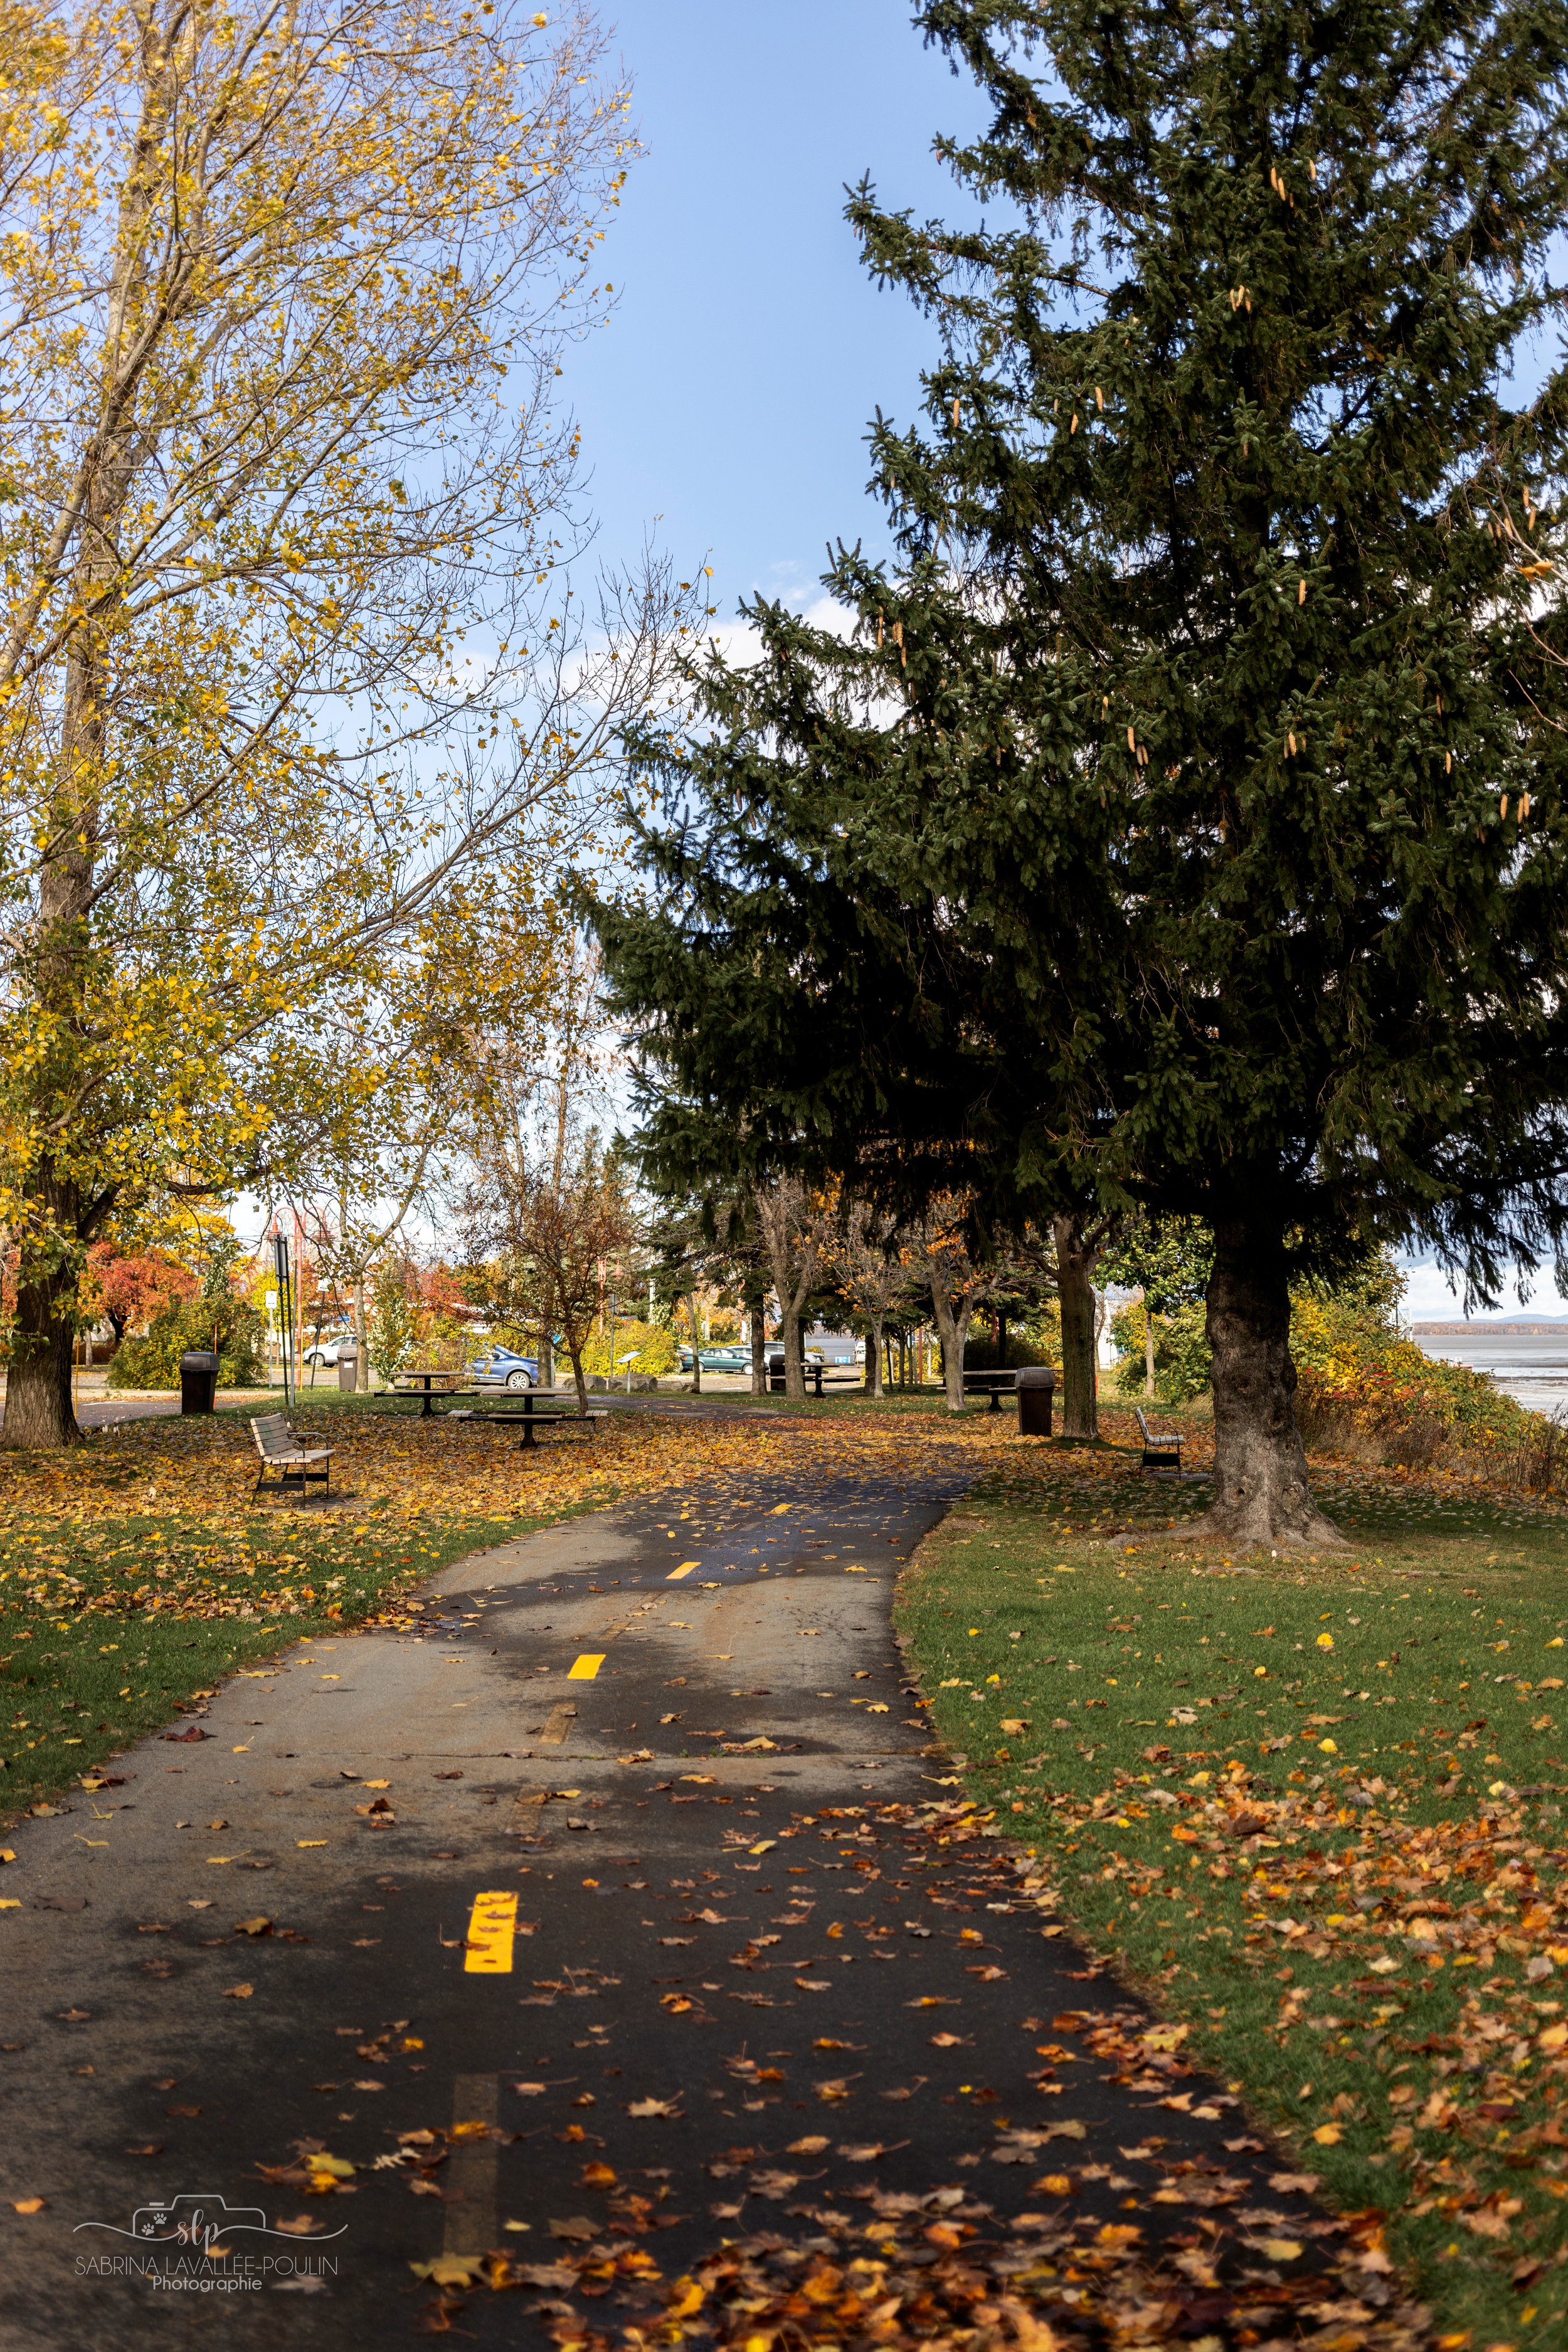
(450,2270)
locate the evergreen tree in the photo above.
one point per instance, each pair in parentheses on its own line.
(1178,827)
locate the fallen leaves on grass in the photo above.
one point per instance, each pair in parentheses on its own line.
(72,1542)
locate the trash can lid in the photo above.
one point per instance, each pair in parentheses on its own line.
(199,1359)
(1035,1376)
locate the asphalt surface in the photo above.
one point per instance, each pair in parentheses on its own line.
(688,1874)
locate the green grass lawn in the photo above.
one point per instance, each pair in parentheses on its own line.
(1315,1805)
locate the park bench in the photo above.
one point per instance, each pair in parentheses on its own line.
(281,1451)
(1162,1449)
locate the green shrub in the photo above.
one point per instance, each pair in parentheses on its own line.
(981,1354)
(153,1362)
(656,1346)
(1181,1357)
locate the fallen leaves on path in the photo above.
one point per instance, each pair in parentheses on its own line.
(1027,2258)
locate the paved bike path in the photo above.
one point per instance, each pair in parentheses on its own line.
(604,1876)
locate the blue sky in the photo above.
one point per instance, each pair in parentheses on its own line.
(724,406)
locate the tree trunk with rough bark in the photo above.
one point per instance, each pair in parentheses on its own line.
(792,1235)
(361,1340)
(39,1411)
(874,1358)
(38,1406)
(1075,1291)
(1148,1348)
(952,1313)
(1262,1494)
(794,1362)
(759,1352)
(696,1343)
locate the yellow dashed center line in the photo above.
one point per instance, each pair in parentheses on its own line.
(492,1927)
(684,1569)
(583,1669)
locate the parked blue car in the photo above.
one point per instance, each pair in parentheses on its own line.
(503,1368)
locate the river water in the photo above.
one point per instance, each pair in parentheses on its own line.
(1531,1366)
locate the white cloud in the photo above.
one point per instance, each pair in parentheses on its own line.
(1430,1298)
(741,646)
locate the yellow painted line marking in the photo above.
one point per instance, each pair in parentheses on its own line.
(491,1927)
(684,1569)
(583,1669)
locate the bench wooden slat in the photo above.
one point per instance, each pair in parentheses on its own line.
(281,1450)
(1162,1448)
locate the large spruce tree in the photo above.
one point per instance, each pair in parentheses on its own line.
(1178,824)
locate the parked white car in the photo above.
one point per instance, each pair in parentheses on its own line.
(327,1351)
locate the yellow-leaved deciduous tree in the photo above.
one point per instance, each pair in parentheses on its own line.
(392,1089)
(546,1208)
(288,647)
(870,1276)
(794,1225)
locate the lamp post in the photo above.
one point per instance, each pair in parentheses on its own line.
(286,1310)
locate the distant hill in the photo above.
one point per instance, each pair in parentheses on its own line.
(1553,1327)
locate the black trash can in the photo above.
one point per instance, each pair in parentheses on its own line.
(198,1379)
(348,1371)
(1036,1385)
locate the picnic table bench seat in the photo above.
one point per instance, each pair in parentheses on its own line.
(995,1384)
(282,1451)
(1162,1448)
(525,1417)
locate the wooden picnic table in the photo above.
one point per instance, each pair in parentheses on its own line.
(994,1385)
(520,1406)
(404,1381)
